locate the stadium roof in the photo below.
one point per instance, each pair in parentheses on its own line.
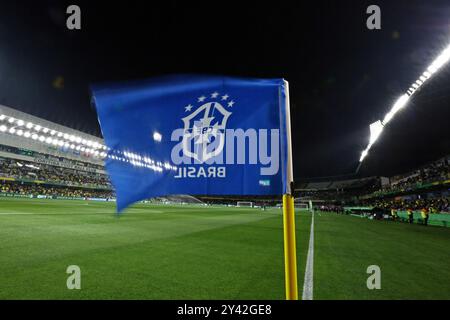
(19,129)
(30,122)
(342,76)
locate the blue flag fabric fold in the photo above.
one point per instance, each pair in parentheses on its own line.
(198,135)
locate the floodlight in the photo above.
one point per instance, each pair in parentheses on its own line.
(27,134)
(11,120)
(32,167)
(34,136)
(29,125)
(363,155)
(60,134)
(443,58)
(376,128)
(41,138)
(375,131)
(3,128)
(432,69)
(2,117)
(53,132)
(157,136)
(19,132)
(45,130)
(20,123)
(399,104)
(37,128)
(12,130)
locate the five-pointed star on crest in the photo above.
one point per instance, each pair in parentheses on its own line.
(214,94)
(188,108)
(225,97)
(201,99)
(230,104)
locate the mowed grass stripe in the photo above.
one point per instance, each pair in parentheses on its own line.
(185,252)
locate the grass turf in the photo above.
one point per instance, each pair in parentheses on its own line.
(414,259)
(175,252)
(150,252)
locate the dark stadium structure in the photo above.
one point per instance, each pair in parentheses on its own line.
(425,188)
(42,159)
(389,207)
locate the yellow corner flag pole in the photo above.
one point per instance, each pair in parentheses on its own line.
(290,253)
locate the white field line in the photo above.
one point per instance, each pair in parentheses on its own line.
(13,213)
(58,213)
(308,283)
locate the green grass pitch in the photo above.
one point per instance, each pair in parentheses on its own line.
(192,252)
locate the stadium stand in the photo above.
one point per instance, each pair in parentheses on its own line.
(23,170)
(12,189)
(425,189)
(178,199)
(44,159)
(39,158)
(258,201)
(432,173)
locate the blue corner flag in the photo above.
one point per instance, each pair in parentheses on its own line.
(197,135)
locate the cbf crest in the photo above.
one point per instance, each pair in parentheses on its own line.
(204,127)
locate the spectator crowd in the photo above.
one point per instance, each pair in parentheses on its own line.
(44,190)
(433,172)
(433,205)
(55,181)
(26,170)
(70,182)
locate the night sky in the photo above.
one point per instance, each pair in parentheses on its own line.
(342,75)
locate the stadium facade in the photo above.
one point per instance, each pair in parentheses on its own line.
(37,155)
(424,192)
(43,159)
(39,158)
